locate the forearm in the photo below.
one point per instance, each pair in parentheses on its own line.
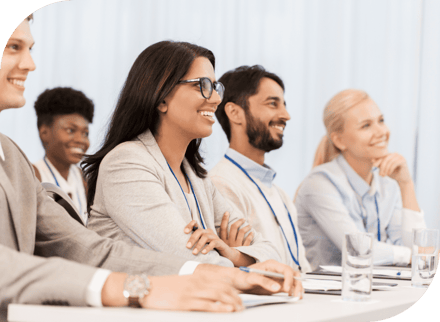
(409,198)
(112,291)
(241,259)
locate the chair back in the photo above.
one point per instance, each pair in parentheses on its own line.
(60,197)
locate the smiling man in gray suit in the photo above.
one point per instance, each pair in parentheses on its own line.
(33,224)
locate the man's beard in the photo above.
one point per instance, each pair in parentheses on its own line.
(259,135)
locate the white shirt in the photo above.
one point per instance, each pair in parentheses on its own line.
(242,194)
(73,186)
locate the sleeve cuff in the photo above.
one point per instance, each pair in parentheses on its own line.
(94,289)
(188,268)
(402,255)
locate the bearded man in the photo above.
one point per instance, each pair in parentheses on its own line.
(253,115)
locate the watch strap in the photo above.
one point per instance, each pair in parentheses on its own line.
(133,301)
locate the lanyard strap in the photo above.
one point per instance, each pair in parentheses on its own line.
(378,219)
(195,198)
(53,174)
(276,218)
(56,181)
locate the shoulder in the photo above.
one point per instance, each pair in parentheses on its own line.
(225,175)
(328,178)
(13,152)
(130,151)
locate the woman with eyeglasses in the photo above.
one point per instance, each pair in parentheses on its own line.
(147,185)
(357,185)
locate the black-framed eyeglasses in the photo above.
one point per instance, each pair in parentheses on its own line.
(206,86)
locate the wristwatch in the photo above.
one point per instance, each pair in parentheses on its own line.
(135,288)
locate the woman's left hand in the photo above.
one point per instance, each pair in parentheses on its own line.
(206,237)
(394,166)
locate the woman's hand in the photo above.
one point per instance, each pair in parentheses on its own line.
(206,237)
(394,166)
(205,240)
(236,235)
(255,283)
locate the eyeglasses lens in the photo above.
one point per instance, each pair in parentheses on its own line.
(206,86)
(220,89)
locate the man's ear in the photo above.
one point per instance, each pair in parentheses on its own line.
(336,139)
(163,107)
(235,113)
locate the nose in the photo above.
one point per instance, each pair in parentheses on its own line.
(381,129)
(26,62)
(284,114)
(215,98)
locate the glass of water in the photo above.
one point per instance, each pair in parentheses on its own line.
(357,266)
(424,256)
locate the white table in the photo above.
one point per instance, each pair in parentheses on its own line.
(313,308)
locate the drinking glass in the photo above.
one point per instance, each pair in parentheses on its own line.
(424,256)
(357,266)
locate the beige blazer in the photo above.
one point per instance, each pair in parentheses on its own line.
(139,201)
(32,223)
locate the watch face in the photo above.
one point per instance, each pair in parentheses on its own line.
(135,286)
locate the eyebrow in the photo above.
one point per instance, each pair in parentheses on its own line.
(20,41)
(70,124)
(368,120)
(274,98)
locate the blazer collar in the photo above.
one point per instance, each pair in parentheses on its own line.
(150,143)
(19,221)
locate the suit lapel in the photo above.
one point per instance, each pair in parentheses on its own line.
(13,207)
(150,143)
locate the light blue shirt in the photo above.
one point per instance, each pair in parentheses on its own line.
(263,173)
(334,200)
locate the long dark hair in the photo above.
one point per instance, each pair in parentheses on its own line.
(152,77)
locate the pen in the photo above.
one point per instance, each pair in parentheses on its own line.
(265,273)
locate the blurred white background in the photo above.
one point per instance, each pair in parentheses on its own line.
(390,48)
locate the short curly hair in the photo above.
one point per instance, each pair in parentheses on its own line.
(62,101)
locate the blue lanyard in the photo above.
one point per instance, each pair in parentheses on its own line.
(53,175)
(195,198)
(378,219)
(276,218)
(56,181)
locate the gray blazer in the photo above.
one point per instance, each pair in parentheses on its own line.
(139,201)
(32,223)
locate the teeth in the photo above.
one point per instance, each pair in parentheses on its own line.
(77,150)
(17,82)
(382,143)
(206,113)
(278,127)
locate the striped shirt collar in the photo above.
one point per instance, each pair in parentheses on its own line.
(359,185)
(264,173)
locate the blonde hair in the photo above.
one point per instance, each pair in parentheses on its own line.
(334,119)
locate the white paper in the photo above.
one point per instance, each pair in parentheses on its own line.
(321,285)
(392,272)
(251,300)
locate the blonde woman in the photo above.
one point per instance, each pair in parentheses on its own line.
(357,185)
